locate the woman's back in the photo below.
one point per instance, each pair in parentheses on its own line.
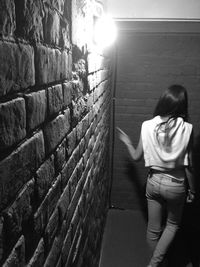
(165,142)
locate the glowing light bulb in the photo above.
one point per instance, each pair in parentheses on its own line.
(105,31)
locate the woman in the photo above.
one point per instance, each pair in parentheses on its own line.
(165,142)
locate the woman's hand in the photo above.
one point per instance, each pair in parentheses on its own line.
(190,197)
(135,154)
(124,137)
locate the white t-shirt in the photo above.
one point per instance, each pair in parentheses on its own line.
(166,146)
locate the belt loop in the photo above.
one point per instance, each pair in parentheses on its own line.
(150,173)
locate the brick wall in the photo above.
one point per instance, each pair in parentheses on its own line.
(54,134)
(151,56)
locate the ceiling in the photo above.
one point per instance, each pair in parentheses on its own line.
(153,9)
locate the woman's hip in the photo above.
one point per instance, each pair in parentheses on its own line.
(165,186)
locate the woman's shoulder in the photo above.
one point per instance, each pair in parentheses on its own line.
(186,123)
(150,124)
(153,120)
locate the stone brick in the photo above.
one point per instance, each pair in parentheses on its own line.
(72,253)
(56,4)
(91,81)
(18,213)
(66,246)
(79,169)
(36,106)
(56,130)
(37,259)
(74,204)
(67,93)
(29,18)
(47,65)
(82,200)
(79,131)
(45,176)
(16,67)
(70,65)
(47,207)
(65,65)
(17,256)
(51,229)
(71,142)
(1,238)
(76,154)
(79,109)
(90,101)
(65,34)
(51,26)
(41,218)
(75,220)
(56,247)
(86,156)
(63,203)
(55,99)
(72,184)
(80,68)
(88,135)
(13,122)
(85,124)
(17,168)
(47,215)
(7,17)
(92,60)
(60,156)
(68,169)
(54,194)
(82,146)
(59,263)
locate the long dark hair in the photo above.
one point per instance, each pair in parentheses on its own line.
(173,103)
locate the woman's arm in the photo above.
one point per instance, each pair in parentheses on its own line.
(190,172)
(135,154)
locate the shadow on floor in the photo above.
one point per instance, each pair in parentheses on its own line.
(124,241)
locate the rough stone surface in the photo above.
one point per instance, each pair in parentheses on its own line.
(16,67)
(48,65)
(36,106)
(71,141)
(55,99)
(17,256)
(53,180)
(45,177)
(56,130)
(18,214)
(17,168)
(51,26)
(56,4)
(38,258)
(60,156)
(67,93)
(7,17)
(13,122)
(65,34)
(29,16)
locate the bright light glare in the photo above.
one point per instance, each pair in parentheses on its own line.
(105,31)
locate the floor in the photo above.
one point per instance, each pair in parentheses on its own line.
(124,242)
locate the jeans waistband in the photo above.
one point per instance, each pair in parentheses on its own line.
(172,179)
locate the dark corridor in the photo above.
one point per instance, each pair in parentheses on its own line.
(149,57)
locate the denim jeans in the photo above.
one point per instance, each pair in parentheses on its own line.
(164,193)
